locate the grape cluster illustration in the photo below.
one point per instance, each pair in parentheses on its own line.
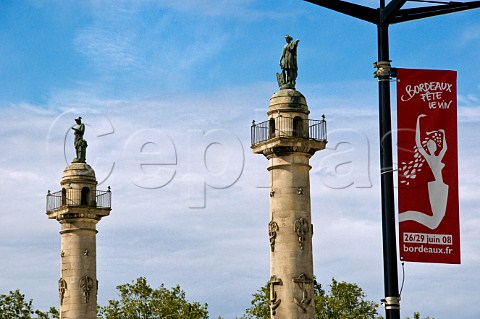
(409,171)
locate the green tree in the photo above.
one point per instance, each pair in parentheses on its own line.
(344,301)
(260,305)
(52,313)
(139,301)
(14,306)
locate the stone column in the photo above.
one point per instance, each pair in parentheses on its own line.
(291,258)
(288,148)
(78,269)
(78,207)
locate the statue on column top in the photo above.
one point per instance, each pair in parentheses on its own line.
(79,143)
(288,63)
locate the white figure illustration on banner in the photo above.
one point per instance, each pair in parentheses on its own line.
(437,189)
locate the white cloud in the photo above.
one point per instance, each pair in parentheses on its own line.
(107,48)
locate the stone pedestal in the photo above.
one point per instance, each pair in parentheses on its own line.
(288,147)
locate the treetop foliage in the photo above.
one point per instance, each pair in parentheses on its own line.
(140,301)
(343,301)
(14,306)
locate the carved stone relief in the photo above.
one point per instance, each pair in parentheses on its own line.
(86,284)
(272,233)
(303,282)
(301,229)
(274,302)
(62,287)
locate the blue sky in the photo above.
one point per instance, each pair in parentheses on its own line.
(181,75)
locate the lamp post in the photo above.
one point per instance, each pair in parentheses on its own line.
(382,18)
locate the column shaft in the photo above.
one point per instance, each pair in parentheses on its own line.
(291,260)
(78,270)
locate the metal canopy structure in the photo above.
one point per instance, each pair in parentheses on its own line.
(392,13)
(383,17)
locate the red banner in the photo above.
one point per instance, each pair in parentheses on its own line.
(428,210)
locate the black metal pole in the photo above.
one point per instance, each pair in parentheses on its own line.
(392,302)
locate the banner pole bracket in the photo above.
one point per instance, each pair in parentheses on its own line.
(384,69)
(391,303)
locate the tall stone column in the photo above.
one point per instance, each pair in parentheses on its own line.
(78,207)
(288,140)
